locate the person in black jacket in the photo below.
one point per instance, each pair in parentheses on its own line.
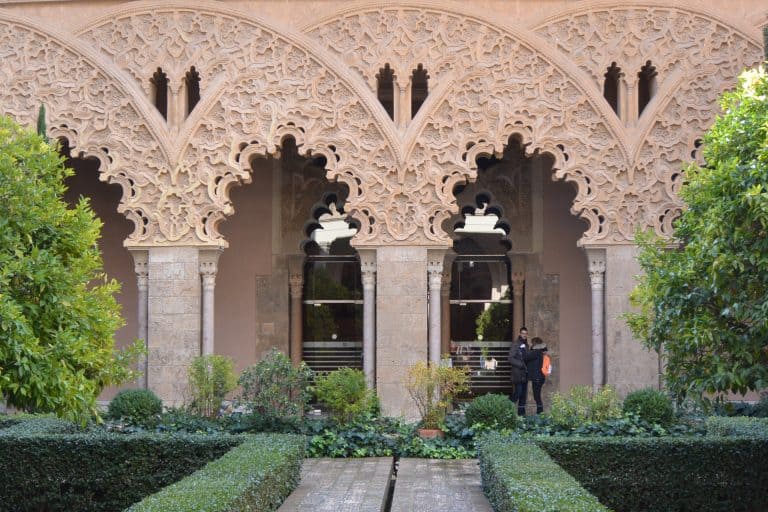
(518,375)
(520,345)
(533,360)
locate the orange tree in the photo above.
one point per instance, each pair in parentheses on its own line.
(58,314)
(704,305)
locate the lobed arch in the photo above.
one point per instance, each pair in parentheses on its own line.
(90,105)
(698,55)
(493,82)
(274,86)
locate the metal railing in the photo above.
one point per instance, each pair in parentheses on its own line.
(470,354)
(326,356)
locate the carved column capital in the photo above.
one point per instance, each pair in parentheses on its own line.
(368,268)
(596,259)
(296,283)
(518,280)
(209,267)
(445,287)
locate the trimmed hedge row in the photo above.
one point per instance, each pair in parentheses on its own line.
(737,426)
(700,474)
(257,475)
(94,472)
(519,476)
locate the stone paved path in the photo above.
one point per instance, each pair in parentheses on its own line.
(427,485)
(422,485)
(341,485)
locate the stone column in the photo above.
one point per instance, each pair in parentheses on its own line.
(140,259)
(401,323)
(368,272)
(518,288)
(445,316)
(435,261)
(296,321)
(208,268)
(630,101)
(596,258)
(403,102)
(174,313)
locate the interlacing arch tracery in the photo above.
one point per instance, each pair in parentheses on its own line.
(494,84)
(86,104)
(697,57)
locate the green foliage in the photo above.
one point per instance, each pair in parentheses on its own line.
(137,405)
(346,394)
(94,471)
(211,377)
(274,388)
(738,426)
(521,477)
(495,323)
(492,411)
(582,406)
(700,474)
(34,424)
(705,305)
(58,313)
(650,405)
(257,475)
(433,388)
(380,437)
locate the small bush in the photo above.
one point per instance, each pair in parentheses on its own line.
(582,406)
(492,411)
(257,475)
(521,477)
(650,405)
(274,388)
(737,426)
(136,405)
(211,377)
(346,394)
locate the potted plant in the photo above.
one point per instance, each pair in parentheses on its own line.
(489,363)
(433,388)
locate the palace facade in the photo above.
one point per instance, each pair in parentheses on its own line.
(378,183)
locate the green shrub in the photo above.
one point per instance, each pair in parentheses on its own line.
(211,377)
(97,471)
(650,405)
(346,394)
(38,424)
(59,312)
(582,406)
(492,411)
(737,426)
(257,475)
(136,405)
(700,474)
(520,477)
(274,388)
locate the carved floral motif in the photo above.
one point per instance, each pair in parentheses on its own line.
(88,107)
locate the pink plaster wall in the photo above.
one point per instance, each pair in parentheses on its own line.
(562,256)
(249,233)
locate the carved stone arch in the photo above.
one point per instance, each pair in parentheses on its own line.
(500,81)
(697,53)
(87,103)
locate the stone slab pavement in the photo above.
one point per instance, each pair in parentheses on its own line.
(362,485)
(341,485)
(426,485)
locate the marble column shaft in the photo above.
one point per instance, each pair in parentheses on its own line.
(368,273)
(596,258)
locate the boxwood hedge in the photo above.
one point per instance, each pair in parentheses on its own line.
(737,426)
(257,475)
(700,474)
(93,471)
(519,476)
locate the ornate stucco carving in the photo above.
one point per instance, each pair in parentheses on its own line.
(491,84)
(262,83)
(88,106)
(697,57)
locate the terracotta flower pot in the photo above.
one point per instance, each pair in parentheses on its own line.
(430,433)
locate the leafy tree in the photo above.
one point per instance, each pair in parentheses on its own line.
(58,314)
(705,305)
